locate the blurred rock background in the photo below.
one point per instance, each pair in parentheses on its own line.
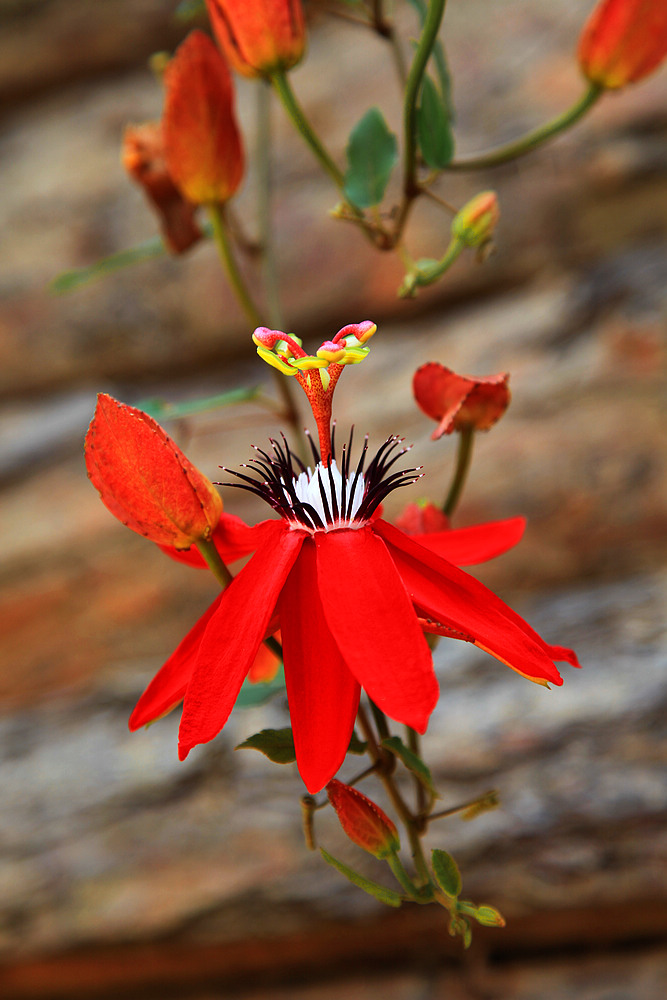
(122,870)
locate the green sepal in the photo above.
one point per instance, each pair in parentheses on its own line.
(372,154)
(433,129)
(252,695)
(413,763)
(446,872)
(387,896)
(276,744)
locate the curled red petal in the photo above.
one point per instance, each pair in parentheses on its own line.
(476,544)
(448,595)
(322,693)
(372,620)
(231,640)
(460,401)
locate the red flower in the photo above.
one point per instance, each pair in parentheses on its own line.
(458,402)
(144,160)
(259,37)
(623,41)
(351,595)
(201,139)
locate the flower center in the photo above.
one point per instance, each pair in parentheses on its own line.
(330,497)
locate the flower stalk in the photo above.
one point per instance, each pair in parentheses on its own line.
(531,140)
(463,459)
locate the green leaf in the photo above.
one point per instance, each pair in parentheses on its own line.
(387,896)
(161,409)
(372,153)
(433,131)
(446,872)
(150,249)
(252,695)
(413,763)
(276,744)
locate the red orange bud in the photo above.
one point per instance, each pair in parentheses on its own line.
(421,518)
(259,37)
(144,478)
(201,139)
(144,160)
(364,822)
(459,402)
(474,224)
(623,41)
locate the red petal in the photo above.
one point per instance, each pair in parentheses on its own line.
(460,602)
(374,624)
(468,546)
(202,142)
(322,693)
(144,478)
(231,641)
(168,686)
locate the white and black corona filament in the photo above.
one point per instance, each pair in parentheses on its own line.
(327,497)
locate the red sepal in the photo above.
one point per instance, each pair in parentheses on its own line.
(476,544)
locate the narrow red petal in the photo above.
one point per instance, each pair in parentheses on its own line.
(456,599)
(469,546)
(371,617)
(322,693)
(230,643)
(170,682)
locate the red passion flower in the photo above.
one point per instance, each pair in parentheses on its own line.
(352,596)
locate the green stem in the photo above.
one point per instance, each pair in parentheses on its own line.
(405,881)
(212,559)
(531,140)
(301,123)
(464,455)
(426,274)
(380,721)
(420,791)
(436,9)
(408,820)
(221,237)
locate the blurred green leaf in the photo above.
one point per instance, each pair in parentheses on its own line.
(435,136)
(372,153)
(190,10)
(446,873)
(440,60)
(276,744)
(413,763)
(387,896)
(161,409)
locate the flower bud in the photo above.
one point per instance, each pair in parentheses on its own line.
(459,402)
(201,139)
(623,41)
(259,37)
(474,224)
(364,822)
(144,478)
(422,517)
(144,159)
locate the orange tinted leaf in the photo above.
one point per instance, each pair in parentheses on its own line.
(202,142)
(144,478)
